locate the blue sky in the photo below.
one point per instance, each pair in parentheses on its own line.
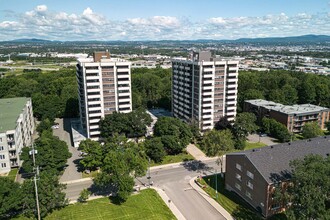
(161,19)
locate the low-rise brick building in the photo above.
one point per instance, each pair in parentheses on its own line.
(255,174)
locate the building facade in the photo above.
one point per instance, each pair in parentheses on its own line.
(204,89)
(16,129)
(255,175)
(293,117)
(104,86)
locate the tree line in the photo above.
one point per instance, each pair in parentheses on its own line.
(19,199)
(286,87)
(54,94)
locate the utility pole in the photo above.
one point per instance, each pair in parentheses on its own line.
(36,173)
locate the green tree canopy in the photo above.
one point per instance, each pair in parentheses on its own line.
(93,154)
(311,130)
(51,157)
(133,124)
(173,127)
(275,129)
(11,196)
(217,142)
(155,149)
(310,189)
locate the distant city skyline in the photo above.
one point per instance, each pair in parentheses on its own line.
(162,20)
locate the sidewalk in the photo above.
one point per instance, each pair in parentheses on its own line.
(210,200)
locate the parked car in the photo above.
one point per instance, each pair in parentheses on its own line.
(55,127)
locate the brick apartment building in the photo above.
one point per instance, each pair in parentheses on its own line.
(254,174)
(292,116)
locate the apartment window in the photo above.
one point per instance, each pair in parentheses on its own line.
(3,165)
(238,186)
(1,148)
(248,194)
(2,157)
(0,139)
(239,167)
(249,184)
(249,174)
(238,177)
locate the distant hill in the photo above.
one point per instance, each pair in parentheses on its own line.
(268,40)
(296,39)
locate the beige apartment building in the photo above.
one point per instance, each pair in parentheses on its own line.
(204,89)
(16,129)
(104,86)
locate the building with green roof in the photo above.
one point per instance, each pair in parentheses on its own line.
(16,129)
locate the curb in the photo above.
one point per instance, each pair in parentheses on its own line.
(210,200)
(169,203)
(78,180)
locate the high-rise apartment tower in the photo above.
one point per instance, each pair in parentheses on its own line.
(204,89)
(104,86)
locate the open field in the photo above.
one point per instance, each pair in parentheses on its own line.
(145,205)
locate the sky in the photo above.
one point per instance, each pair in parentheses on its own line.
(71,20)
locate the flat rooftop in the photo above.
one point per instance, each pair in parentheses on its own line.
(10,109)
(287,109)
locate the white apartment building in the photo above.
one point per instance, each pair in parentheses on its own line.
(204,89)
(104,86)
(16,129)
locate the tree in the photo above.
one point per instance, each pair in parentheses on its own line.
(11,197)
(84,195)
(50,195)
(133,124)
(275,129)
(123,160)
(244,124)
(309,191)
(172,144)
(155,149)
(174,127)
(92,154)
(52,154)
(217,142)
(45,124)
(223,124)
(311,130)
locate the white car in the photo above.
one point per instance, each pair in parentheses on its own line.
(55,127)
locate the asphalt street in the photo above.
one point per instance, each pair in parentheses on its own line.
(174,180)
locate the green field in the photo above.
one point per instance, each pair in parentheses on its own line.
(145,205)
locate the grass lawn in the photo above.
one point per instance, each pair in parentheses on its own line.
(254,145)
(145,205)
(228,200)
(12,174)
(92,174)
(174,159)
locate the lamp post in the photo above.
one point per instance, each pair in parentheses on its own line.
(149,177)
(36,173)
(216,184)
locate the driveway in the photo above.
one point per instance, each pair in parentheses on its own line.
(266,140)
(64,133)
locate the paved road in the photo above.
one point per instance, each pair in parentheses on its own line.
(63,132)
(174,180)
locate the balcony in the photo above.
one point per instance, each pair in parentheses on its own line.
(12,156)
(232,79)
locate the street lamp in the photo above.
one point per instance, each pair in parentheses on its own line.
(149,177)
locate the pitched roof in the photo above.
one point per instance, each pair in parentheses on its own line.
(273,161)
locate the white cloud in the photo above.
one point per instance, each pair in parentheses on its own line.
(89,25)
(41,8)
